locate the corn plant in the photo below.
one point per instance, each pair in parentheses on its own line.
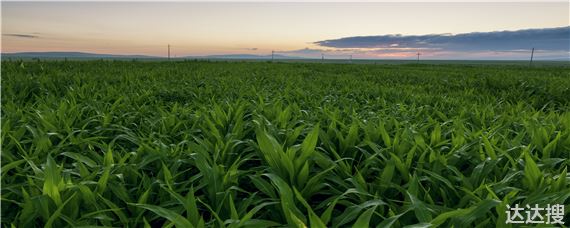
(258,144)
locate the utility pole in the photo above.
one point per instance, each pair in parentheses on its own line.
(169,52)
(350,58)
(322,57)
(531,55)
(272,54)
(418,57)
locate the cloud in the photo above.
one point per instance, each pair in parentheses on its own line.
(27,36)
(552,39)
(330,53)
(251,49)
(304,51)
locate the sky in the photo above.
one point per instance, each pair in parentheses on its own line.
(384,30)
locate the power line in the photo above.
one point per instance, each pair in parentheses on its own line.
(531,55)
(418,57)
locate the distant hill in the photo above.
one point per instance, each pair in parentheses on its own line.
(86,55)
(244,56)
(78,55)
(557,59)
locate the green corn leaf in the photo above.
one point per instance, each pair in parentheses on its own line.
(52,181)
(291,212)
(249,215)
(167,176)
(422,212)
(532,173)
(57,213)
(167,214)
(364,219)
(465,217)
(314,220)
(384,134)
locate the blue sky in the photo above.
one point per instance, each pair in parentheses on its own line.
(398,30)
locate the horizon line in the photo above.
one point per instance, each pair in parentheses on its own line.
(229,57)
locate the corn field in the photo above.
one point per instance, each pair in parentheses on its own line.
(259,144)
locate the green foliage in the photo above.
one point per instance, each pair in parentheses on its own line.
(222,144)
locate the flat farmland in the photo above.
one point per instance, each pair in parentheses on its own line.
(261,144)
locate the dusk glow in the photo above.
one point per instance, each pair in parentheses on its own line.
(295,29)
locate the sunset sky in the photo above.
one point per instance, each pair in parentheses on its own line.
(468,30)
